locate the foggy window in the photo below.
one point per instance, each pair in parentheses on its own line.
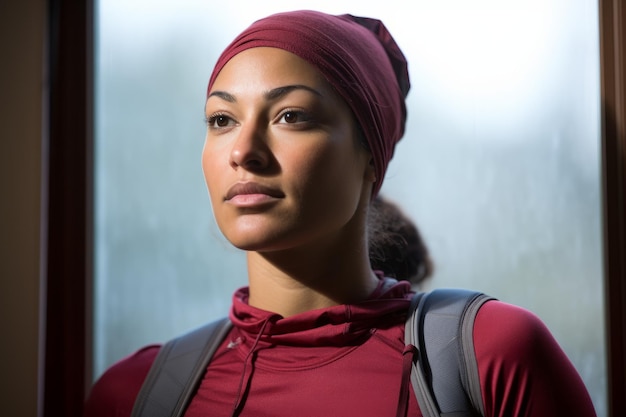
(499,166)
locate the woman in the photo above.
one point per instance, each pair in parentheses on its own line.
(303,112)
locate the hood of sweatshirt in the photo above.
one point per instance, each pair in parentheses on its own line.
(339,325)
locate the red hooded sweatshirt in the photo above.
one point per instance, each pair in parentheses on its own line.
(347,360)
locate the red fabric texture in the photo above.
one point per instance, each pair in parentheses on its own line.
(357,56)
(523,370)
(114,393)
(347,361)
(271,366)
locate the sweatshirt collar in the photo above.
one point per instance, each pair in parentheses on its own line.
(339,325)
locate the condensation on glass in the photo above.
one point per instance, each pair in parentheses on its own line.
(499,166)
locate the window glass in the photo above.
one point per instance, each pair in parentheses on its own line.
(499,166)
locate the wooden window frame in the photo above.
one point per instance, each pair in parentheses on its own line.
(612,15)
(67,286)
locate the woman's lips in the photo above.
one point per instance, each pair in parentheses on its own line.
(249,194)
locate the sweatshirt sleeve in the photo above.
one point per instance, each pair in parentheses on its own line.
(114,393)
(523,370)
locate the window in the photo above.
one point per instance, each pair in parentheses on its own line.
(500,165)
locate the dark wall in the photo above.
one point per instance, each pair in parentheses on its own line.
(22,38)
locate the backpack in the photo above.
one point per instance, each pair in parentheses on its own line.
(444,373)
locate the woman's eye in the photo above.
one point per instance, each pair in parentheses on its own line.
(292,117)
(218,120)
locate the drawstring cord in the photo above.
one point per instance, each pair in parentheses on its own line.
(241,390)
(408,355)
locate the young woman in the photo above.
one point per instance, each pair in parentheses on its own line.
(303,112)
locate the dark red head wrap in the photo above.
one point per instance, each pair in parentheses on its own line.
(356,55)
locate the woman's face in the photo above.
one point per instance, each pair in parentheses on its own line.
(281,159)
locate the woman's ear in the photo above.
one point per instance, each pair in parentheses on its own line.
(370,171)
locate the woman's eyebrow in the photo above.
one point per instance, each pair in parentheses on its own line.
(279,92)
(271,95)
(223,95)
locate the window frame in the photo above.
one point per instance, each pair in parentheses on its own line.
(66,287)
(612,14)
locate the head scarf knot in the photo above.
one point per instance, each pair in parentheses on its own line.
(356,55)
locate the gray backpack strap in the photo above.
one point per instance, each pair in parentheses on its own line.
(178,370)
(445,376)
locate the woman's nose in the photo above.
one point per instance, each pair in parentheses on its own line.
(250,150)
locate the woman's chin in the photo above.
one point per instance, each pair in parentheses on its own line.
(254,240)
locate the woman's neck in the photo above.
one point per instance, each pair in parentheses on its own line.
(298,280)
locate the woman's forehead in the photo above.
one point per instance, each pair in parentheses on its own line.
(267,70)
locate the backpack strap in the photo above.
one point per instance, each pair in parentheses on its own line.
(445,376)
(177,371)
